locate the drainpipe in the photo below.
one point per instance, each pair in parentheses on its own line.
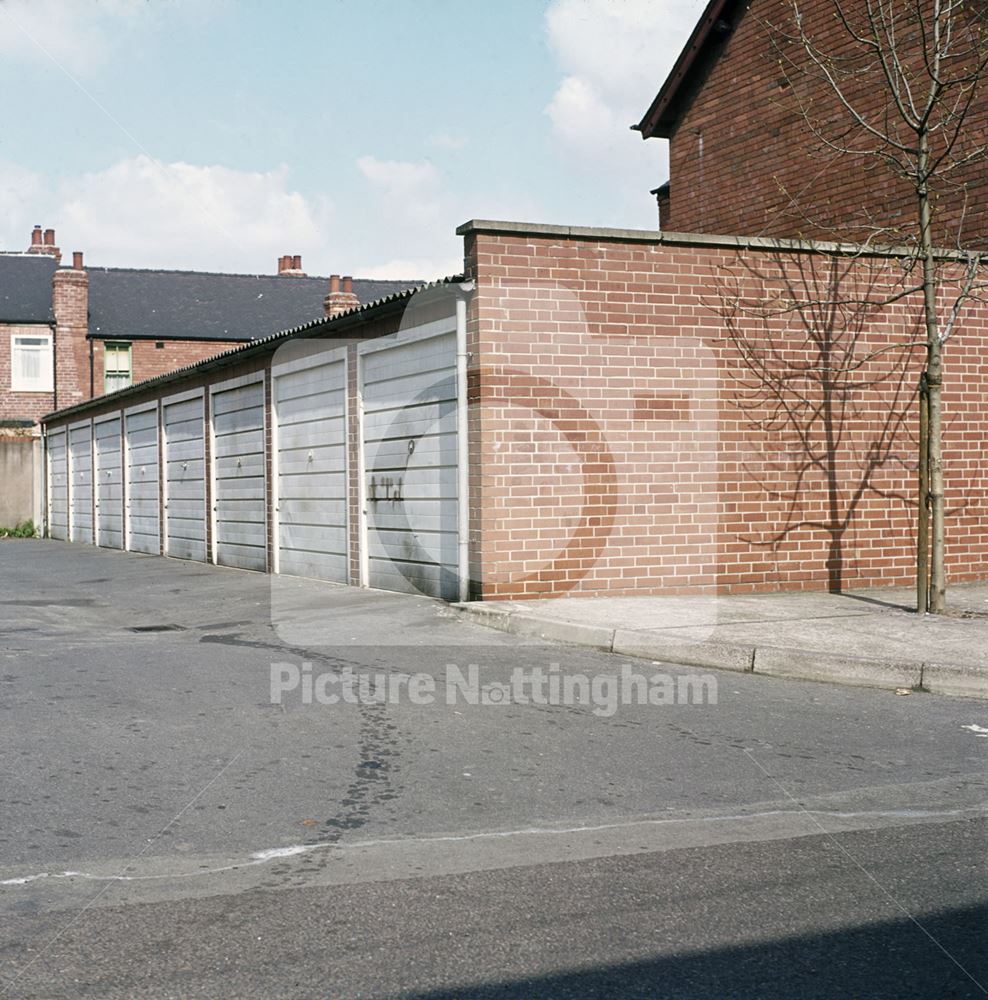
(462,442)
(40,503)
(54,365)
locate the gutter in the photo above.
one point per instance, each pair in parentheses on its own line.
(53,326)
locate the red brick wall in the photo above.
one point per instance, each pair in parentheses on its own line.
(20,405)
(742,159)
(147,361)
(621,444)
(70,304)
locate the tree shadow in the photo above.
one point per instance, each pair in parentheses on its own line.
(819,350)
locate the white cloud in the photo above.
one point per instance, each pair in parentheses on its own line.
(408,191)
(614,54)
(139,213)
(411,221)
(21,191)
(448,141)
(80,35)
(77,35)
(410,214)
(418,268)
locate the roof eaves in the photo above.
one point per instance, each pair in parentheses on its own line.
(658,121)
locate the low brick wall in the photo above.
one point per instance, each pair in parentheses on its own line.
(666,417)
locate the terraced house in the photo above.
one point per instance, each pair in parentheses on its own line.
(71,333)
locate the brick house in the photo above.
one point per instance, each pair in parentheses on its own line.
(742,160)
(69,334)
(106,327)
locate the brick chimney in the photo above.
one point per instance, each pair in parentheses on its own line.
(290,266)
(341,296)
(43,241)
(70,304)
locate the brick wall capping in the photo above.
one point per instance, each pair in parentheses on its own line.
(655,237)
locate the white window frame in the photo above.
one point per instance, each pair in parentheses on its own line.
(46,383)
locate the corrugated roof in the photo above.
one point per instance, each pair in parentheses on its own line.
(236,354)
(25,288)
(131,304)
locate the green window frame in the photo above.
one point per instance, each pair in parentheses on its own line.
(117,365)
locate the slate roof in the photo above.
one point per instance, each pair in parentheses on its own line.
(390,304)
(129,304)
(25,288)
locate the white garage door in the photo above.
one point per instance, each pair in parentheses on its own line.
(311,503)
(81,483)
(109,484)
(409,394)
(58,489)
(185,479)
(239,516)
(141,450)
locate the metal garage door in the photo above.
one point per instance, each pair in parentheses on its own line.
(109,484)
(239,516)
(58,489)
(185,478)
(81,483)
(311,503)
(409,428)
(141,460)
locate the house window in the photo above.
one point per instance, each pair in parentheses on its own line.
(116,366)
(31,367)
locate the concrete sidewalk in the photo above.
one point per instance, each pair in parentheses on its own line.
(866,637)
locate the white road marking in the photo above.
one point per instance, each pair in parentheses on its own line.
(276,853)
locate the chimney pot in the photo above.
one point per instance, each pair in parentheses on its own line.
(281,264)
(341,297)
(49,237)
(36,236)
(77,260)
(297,262)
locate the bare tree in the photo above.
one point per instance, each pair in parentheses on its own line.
(901,83)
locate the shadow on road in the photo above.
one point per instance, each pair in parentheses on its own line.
(885,960)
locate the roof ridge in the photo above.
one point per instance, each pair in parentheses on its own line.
(229,274)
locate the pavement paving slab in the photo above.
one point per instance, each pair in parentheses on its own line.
(868,637)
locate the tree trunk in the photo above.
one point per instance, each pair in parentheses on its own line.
(934,376)
(923,504)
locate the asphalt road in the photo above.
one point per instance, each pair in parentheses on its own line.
(168,829)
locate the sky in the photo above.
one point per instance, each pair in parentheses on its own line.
(218,135)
